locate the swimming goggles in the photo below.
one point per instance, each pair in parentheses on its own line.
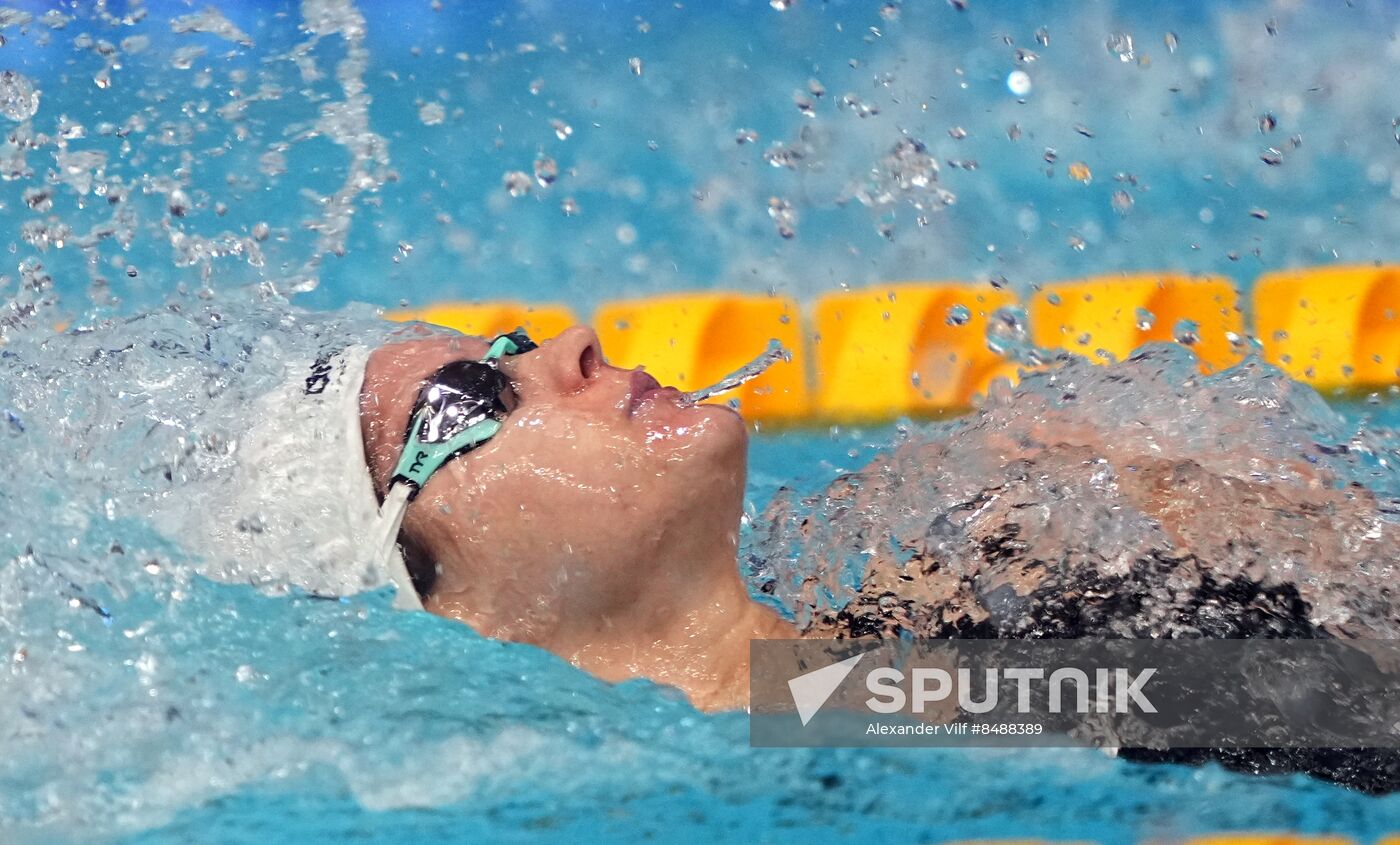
(459,407)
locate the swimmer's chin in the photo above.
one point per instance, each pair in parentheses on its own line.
(707,424)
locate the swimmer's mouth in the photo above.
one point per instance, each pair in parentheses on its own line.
(643,387)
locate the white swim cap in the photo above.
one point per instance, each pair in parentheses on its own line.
(297,508)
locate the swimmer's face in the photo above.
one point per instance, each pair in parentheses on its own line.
(598,488)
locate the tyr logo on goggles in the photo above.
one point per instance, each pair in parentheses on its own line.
(459,408)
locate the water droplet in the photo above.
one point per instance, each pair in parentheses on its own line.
(1259,213)
(19,100)
(890,11)
(1122,201)
(784,215)
(1120,44)
(1171,41)
(404,251)
(745,136)
(636,65)
(39,199)
(1272,156)
(782,5)
(957,133)
(784,155)
(517,183)
(178,204)
(1186,332)
(626,234)
(908,172)
(570,207)
(1267,122)
(1083,130)
(1052,298)
(432,113)
(546,171)
(1076,243)
(1009,336)
(959,315)
(1013,132)
(1145,319)
(855,104)
(561,129)
(1018,82)
(1079,171)
(1042,36)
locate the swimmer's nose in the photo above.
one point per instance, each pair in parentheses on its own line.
(567,361)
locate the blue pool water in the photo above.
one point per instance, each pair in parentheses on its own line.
(328,152)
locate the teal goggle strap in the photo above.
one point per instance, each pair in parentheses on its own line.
(458,409)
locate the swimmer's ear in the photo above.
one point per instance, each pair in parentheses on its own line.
(422,569)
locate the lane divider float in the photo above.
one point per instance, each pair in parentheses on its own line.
(920,348)
(913,349)
(1332,327)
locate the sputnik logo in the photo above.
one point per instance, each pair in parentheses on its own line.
(810,691)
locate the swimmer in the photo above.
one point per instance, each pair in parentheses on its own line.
(600,522)
(550,498)
(599,519)
(546,497)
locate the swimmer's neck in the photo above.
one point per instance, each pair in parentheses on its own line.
(692,632)
(702,650)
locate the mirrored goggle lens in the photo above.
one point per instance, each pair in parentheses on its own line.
(460,395)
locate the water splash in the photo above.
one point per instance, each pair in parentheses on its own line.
(774,353)
(19,100)
(1130,486)
(907,173)
(346,123)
